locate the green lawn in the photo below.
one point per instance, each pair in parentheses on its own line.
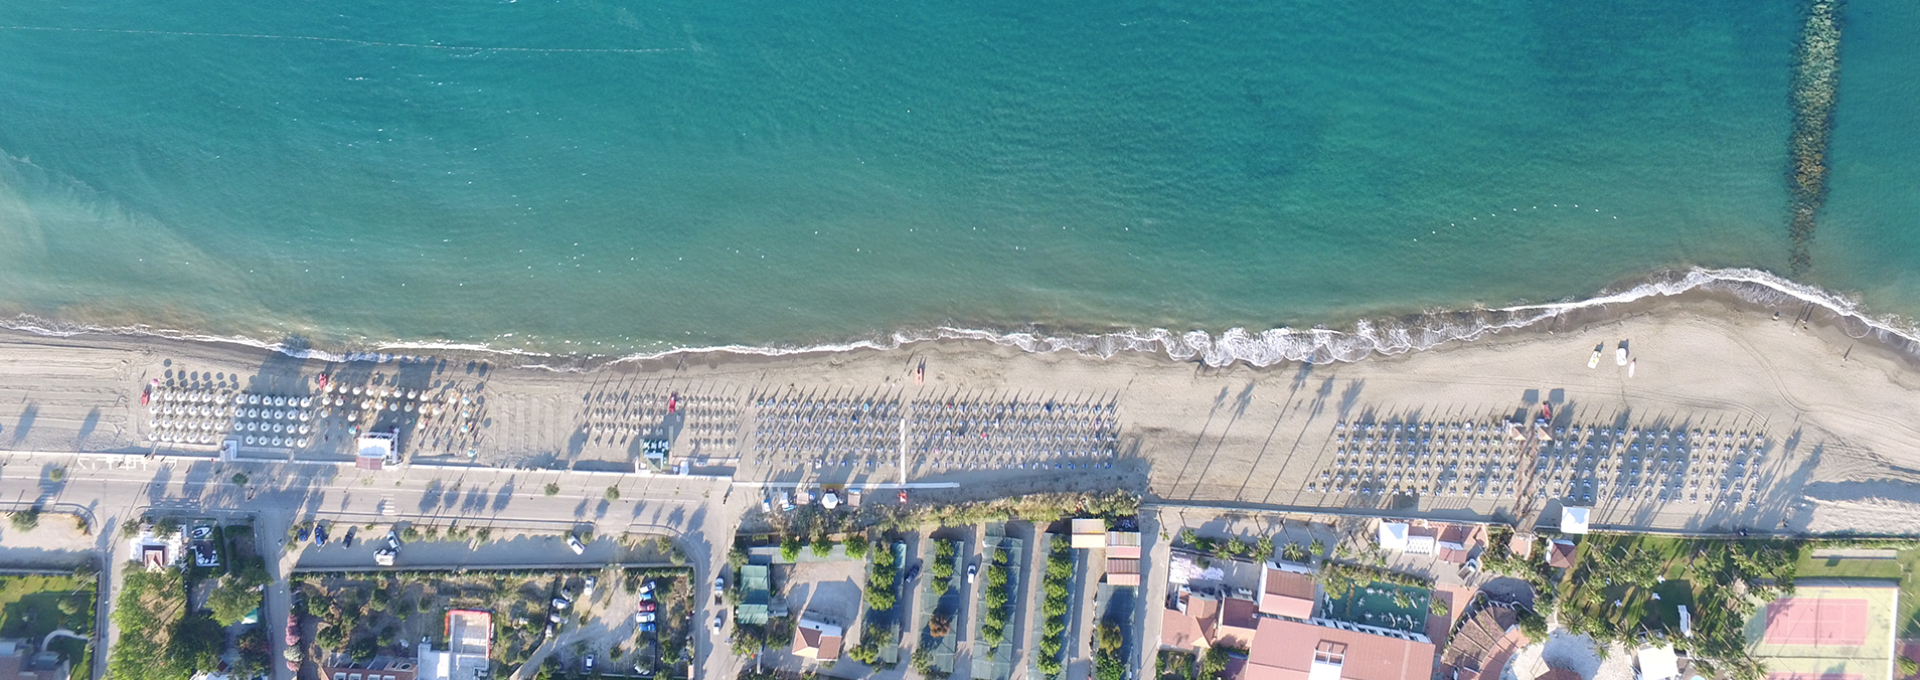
(1901,567)
(32,606)
(1671,557)
(1651,577)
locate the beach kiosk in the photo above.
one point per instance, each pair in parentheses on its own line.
(375,450)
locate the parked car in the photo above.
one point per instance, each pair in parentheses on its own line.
(971,570)
(293,630)
(719,585)
(346,540)
(574,543)
(393,541)
(588,592)
(646,596)
(384,557)
(305,533)
(644,617)
(589,664)
(646,587)
(766,505)
(646,627)
(561,603)
(719,618)
(320,535)
(644,607)
(913,572)
(553,617)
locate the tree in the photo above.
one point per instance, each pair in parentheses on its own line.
(613,493)
(233,598)
(822,547)
(1263,548)
(1318,548)
(790,548)
(879,600)
(748,639)
(1439,606)
(553,489)
(195,642)
(1188,537)
(1214,663)
(58,474)
(363,649)
(330,637)
(1909,667)
(856,546)
(1534,625)
(25,520)
(939,626)
(1294,553)
(1108,638)
(922,661)
(254,653)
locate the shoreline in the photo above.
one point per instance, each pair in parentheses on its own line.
(1361,339)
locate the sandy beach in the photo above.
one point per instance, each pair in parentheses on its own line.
(1842,451)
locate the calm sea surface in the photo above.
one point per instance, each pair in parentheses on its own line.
(633,176)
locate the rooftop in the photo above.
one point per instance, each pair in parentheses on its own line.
(1573,520)
(817,640)
(1286,592)
(1299,650)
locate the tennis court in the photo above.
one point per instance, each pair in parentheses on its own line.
(1817,621)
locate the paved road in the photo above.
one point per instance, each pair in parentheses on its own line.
(117,489)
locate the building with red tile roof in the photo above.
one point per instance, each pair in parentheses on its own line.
(1287,590)
(1325,650)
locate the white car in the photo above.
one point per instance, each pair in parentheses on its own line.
(643,617)
(574,542)
(719,585)
(587,593)
(718,619)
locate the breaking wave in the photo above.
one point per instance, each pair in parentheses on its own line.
(1364,338)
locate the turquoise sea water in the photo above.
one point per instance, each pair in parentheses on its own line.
(636,176)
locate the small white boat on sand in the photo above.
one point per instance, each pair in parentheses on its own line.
(1620,354)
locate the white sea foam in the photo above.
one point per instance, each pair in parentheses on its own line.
(1365,337)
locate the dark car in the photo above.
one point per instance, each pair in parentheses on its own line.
(305,533)
(913,572)
(346,540)
(320,535)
